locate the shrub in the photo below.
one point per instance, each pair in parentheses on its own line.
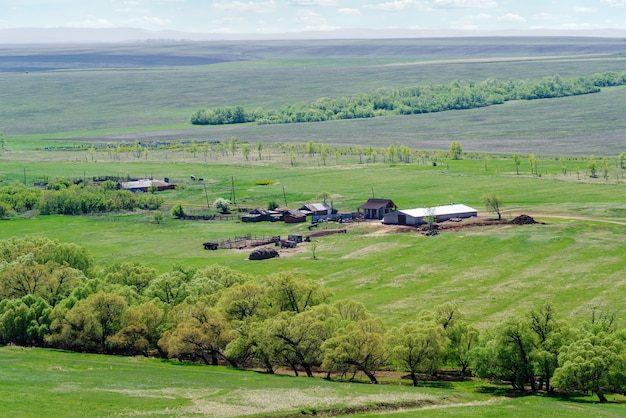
(178,211)
(264,182)
(222,204)
(5,210)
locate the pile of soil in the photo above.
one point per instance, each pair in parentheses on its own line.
(523,220)
(263,253)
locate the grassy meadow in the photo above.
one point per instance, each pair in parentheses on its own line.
(64,96)
(36,382)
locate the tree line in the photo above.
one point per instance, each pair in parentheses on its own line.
(52,295)
(455,95)
(64,197)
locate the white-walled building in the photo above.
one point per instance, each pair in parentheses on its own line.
(441,213)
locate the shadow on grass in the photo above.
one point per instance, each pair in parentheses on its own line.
(581,398)
(437,384)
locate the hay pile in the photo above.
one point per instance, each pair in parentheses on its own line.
(263,254)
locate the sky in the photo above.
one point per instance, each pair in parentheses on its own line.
(286,16)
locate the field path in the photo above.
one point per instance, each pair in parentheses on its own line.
(574,218)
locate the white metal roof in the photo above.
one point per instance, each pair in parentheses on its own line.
(437,210)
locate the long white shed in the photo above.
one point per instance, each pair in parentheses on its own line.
(416,216)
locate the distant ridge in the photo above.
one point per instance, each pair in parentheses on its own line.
(117,35)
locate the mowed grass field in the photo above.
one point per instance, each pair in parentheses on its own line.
(573,260)
(40,382)
(142,92)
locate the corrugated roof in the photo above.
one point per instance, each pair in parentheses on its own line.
(143,184)
(316,207)
(437,210)
(376,203)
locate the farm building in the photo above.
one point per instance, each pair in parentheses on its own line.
(145,184)
(441,213)
(262,215)
(377,208)
(316,209)
(293,216)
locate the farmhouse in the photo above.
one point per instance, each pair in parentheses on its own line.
(293,216)
(316,209)
(262,215)
(377,208)
(441,213)
(144,185)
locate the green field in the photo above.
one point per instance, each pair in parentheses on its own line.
(36,382)
(67,96)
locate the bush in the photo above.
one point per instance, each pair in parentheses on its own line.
(222,205)
(264,182)
(5,210)
(178,211)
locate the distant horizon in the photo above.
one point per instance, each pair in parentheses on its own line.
(284,19)
(132,34)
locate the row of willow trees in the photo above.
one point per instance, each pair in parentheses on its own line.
(413,100)
(52,295)
(64,197)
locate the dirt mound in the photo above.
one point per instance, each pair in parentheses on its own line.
(523,220)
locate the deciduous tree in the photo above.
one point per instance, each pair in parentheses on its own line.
(359,346)
(418,346)
(493,203)
(595,363)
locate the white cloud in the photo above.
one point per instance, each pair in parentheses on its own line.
(151,20)
(392,5)
(584,10)
(92,23)
(614,2)
(511,17)
(250,6)
(324,3)
(472,22)
(348,11)
(465,4)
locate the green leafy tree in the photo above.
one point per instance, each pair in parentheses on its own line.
(157,217)
(3,142)
(178,211)
(622,160)
(170,288)
(299,337)
(259,148)
(232,145)
(292,293)
(493,203)
(594,363)
(418,346)
(506,354)
(357,347)
(551,335)
(456,150)
(140,330)
(244,300)
(24,321)
(592,166)
(245,150)
(223,205)
(89,324)
(517,161)
(201,332)
(391,153)
(534,164)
